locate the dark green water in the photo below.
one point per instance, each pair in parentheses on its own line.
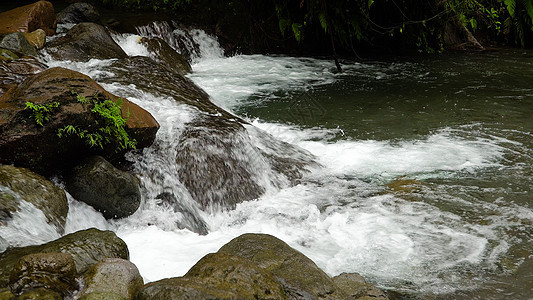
(486,97)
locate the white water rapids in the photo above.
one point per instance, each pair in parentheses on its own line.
(339,215)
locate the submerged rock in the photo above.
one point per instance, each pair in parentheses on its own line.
(21,141)
(28,18)
(24,185)
(163,53)
(113,192)
(78,12)
(83,42)
(17,42)
(112,275)
(86,247)
(190,219)
(53,271)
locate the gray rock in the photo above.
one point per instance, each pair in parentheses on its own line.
(112,275)
(77,13)
(53,271)
(86,247)
(17,42)
(84,42)
(113,192)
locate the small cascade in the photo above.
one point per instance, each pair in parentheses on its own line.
(193,44)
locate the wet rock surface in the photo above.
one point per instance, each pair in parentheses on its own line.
(53,271)
(14,71)
(28,18)
(78,12)
(86,247)
(24,185)
(113,192)
(22,137)
(84,42)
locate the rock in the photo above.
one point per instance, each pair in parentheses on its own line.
(215,178)
(182,289)
(5,294)
(300,276)
(115,193)
(354,286)
(163,53)
(36,38)
(40,294)
(17,42)
(53,271)
(84,42)
(29,18)
(112,275)
(190,219)
(36,190)
(102,296)
(86,247)
(7,55)
(77,13)
(13,72)
(21,138)
(217,276)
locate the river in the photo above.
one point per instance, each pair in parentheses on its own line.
(426,168)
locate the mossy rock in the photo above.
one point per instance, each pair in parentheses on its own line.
(87,247)
(102,296)
(299,275)
(53,271)
(40,294)
(6,294)
(34,189)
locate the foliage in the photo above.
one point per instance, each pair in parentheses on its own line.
(41,112)
(389,23)
(108,127)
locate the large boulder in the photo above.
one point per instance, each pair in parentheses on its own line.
(217,276)
(299,275)
(87,247)
(59,92)
(77,13)
(217,160)
(112,275)
(13,72)
(17,42)
(353,286)
(29,18)
(113,192)
(53,271)
(25,186)
(84,42)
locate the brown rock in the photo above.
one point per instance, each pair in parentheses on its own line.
(21,139)
(55,271)
(37,38)
(29,18)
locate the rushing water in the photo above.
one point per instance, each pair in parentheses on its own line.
(425,178)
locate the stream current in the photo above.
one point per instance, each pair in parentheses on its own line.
(425,180)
